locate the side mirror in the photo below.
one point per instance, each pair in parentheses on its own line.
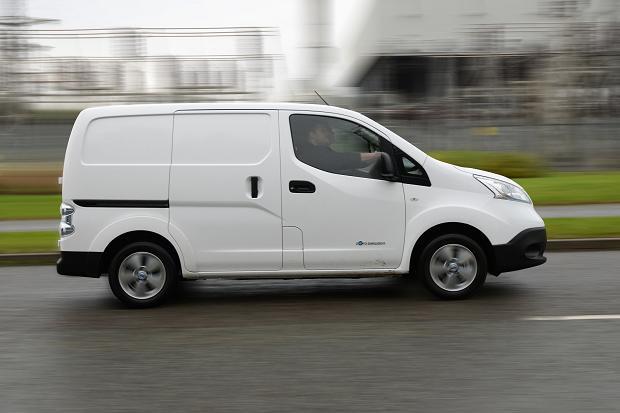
(388,171)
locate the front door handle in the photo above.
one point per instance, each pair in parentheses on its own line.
(301,187)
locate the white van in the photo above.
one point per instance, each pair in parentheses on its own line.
(153,194)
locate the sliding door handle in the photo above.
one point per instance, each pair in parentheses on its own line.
(254,186)
(301,187)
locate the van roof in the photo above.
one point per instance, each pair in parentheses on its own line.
(169,108)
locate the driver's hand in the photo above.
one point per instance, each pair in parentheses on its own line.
(373,156)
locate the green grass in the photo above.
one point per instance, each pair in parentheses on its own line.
(565,188)
(15,242)
(29,207)
(570,188)
(594,227)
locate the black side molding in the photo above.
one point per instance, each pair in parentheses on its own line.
(122,203)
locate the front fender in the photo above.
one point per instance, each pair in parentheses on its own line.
(499,222)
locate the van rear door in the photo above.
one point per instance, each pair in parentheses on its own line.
(225,191)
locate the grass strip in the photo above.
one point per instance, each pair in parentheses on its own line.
(20,207)
(22,242)
(590,227)
(567,188)
(573,188)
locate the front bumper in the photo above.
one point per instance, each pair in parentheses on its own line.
(78,263)
(525,250)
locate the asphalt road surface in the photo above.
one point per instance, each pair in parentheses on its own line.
(66,345)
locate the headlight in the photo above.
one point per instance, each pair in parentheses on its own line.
(504,190)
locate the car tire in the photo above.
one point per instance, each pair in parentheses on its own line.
(142,274)
(453,266)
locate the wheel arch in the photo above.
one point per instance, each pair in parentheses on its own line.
(451,228)
(138,236)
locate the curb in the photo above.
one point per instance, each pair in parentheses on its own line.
(553,245)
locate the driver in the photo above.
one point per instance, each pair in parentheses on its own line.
(317,151)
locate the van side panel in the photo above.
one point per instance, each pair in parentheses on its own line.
(120,158)
(225,201)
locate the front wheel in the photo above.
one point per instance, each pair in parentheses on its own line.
(142,274)
(453,266)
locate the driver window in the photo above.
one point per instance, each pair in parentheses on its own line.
(337,145)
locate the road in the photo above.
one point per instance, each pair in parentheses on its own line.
(544,211)
(30,225)
(361,345)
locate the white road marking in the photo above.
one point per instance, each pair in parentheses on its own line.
(574,317)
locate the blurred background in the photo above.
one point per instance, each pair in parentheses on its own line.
(529,89)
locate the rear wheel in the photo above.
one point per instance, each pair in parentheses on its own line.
(453,266)
(142,274)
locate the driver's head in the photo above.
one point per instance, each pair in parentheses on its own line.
(320,134)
